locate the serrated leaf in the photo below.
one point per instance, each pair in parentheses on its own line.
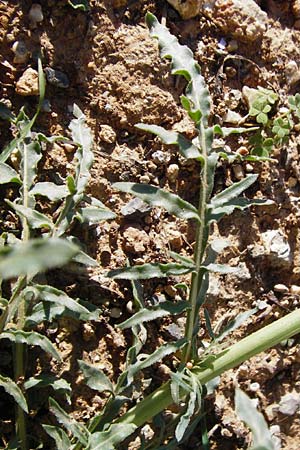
(35,256)
(13,389)
(77,430)
(233,191)
(31,338)
(95,378)
(59,435)
(50,190)
(8,174)
(34,218)
(247,412)
(161,310)
(145,361)
(186,148)
(183,64)
(149,270)
(161,198)
(106,440)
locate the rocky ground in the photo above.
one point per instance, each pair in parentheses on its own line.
(110,67)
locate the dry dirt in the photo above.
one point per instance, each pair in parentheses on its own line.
(118,79)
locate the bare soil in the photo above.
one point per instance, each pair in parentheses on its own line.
(118,79)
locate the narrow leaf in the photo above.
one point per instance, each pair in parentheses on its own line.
(159,197)
(59,435)
(186,417)
(247,412)
(8,174)
(221,268)
(60,385)
(240,203)
(51,294)
(106,440)
(95,378)
(227,131)
(186,148)
(50,190)
(184,260)
(13,389)
(31,338)
(147,271)
(93,215)
(76,429)
(161,310)
(183,64)
(35,256)
(238,321)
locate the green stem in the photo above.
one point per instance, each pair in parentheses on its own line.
(201,240)
(251,345)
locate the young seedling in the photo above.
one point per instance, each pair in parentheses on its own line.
(195,369)
(41,244)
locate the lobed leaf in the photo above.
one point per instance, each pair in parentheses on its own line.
(8,174)
(106,440)
(35,256)
(77,430)
(247,412)
(161,310)
(158,197)
(197,100)
(13,389)
(95,378)
(31,338)
(186,148)
(149,270)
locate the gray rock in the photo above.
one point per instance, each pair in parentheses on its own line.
(57,78)
(135,207)
(289,404)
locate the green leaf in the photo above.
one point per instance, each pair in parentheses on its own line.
(186,148)
(221,268)
(240,203)
(60,385)
(158,197)
(82,5)
(13,389)
(106,440)
(197,101)
(184,260)
(31,338)
(238,321)
(77,430)
(34,218)
(31,155)
(149,270)
(53,295)
(35,256)
(59,435)
(186,417)
(8,174)
(50,190)
(247,412)
(93,215)
(145,360)
(227,131)
(161,310)
(95,378)
(233,191)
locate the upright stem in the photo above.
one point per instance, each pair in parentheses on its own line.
(201,240)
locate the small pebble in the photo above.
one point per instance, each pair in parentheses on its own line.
(292,182)
(254,387)
(281,288)
(129,307)
(289,404)
(57,78)
(238,172)
(160,157)
(249,168)
(115,313)
(20,51)
(28,83)
(172,172)
(46,105)
(107,134)
(35,15)
(135,207)
(295,290)
(145,179)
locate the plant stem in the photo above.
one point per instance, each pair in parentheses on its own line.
(201,240)
(251,345)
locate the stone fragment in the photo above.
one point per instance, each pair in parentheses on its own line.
(238,172)
(135,208)
(289,404)
(107,134)
(275,249)
(115,313)
(172,172)
(20,51)
(242,19)
(295,290)
(28,83)
(57,78)
(35,15)
(135,240)
(281,288)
